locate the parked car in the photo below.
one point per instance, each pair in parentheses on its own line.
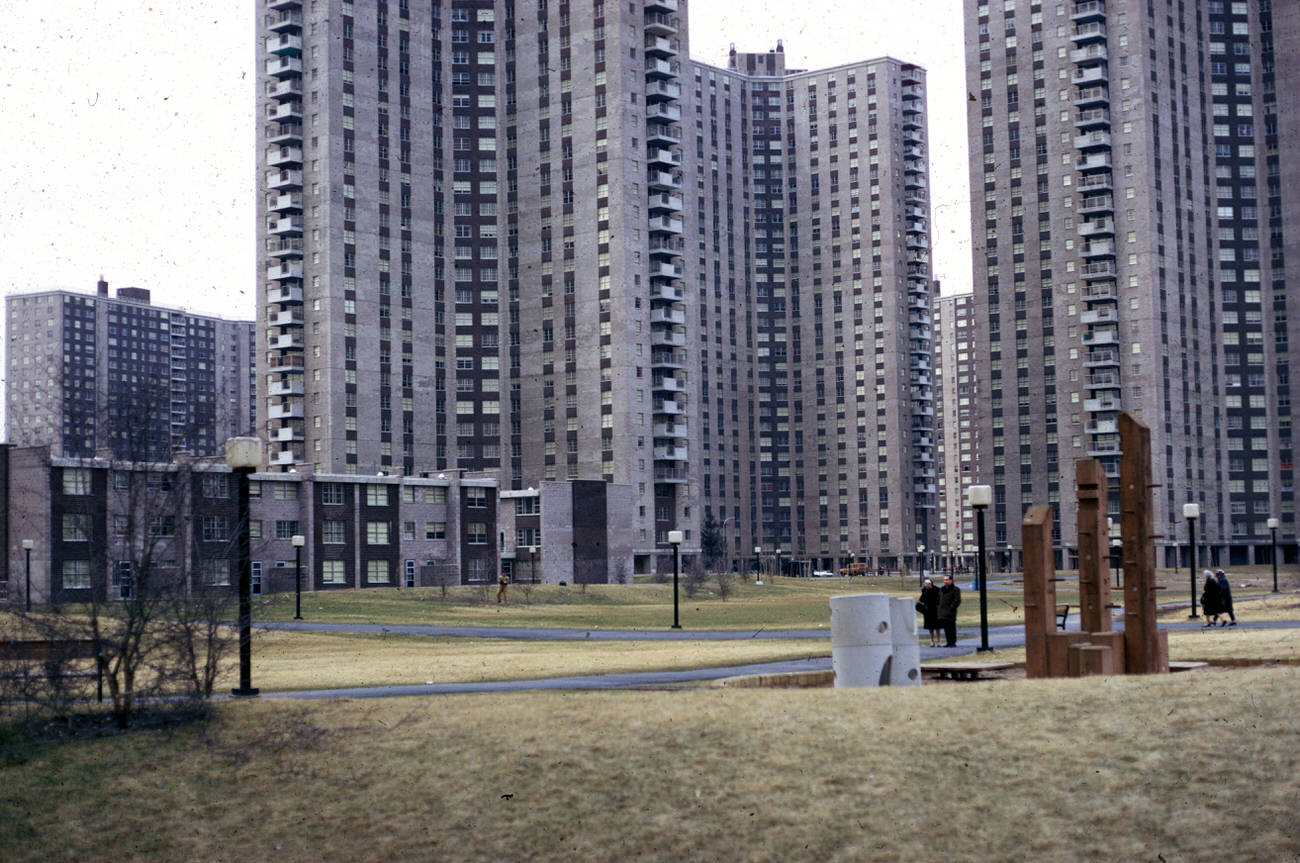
(822,573)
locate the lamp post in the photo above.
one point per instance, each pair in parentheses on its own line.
(1191,512)
(758,558)
(298,542)
(978,497)
(532,562)
(776,569)
(675,540)
(244,455)
(27,545)
(1272,528)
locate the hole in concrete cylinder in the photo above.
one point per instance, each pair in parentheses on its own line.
(884,625)
(913,673)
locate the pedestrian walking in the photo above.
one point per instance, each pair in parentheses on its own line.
(1210,601)
(928,606)
(502,583)
(949,599)
(1225,598)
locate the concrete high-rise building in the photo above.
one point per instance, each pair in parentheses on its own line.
(1115,147)
(959,454)
(98,375)
(539,241)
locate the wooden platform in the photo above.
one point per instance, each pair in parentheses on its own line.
(963,670)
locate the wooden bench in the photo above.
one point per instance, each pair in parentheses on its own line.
(963,670)
(1062,612)
(43,650)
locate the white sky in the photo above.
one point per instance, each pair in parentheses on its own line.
(127,142)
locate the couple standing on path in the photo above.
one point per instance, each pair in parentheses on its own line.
(938,607)
(1216,599)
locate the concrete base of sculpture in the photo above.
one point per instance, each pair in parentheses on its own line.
(873,641)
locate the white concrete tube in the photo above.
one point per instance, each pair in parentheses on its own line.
(906,668)
(860,618)
(863,665)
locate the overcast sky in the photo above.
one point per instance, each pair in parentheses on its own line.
(126,132)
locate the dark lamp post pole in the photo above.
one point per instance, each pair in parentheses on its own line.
(1192,512)
(244,455)
(1272,528)
(979,497)
(298,542)
(675,540)
(28,545)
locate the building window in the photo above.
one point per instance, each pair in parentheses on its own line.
(377,495)
(377,572)
(285,529)
(333,572)
(76,574)
(121,525)
(216,485)
(215,573)
(435,530)
(476,532)
(76,527)
(331,494)
(476,498)
(216,528)
(286,491)
(377,533)
(334,532)
(408,530)
(76,480)
(162,525)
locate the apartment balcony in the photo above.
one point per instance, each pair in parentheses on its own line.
(918,303)
(288,21)
(660,46)
(1093,118)
(285,90)
(659,91)
(286,434)
(664,202)
(277,5)
(285,319)
(1089,54)
(916,240)
(1100,405)
(282,457)
(1099,249)
(281,112)
(283,180)
(661,24)
(921,380)
(1096,205)
(292,387)
(656,68)
(1093,162)
(667,384)
(919,365)
(287,364)
(1100,181)
(668,359)
(1100,292)
(670,430)
(1089,10)
(674,317)
(669,407)
(660,157)
(1101,358)
(670,453)
(285,342)
(1092,140)
(922,470)
(670,474)
(662,292)
(662,270)
(664,181)
(284,45)
(293,410)
(1097,228)
(663,134)
(1101,337)
(284,270)
(924,488)
(285,133)
(1102,427)
(917,226)
(1092,97)
(285,226)
(288,247)
(1089,32)
(664,112)
(1099,316)
(1090,76)
(914,180)
(661,247)
(661,5)
(290,203)
(284,157)
(666,223)
(1103,381)
(667,338)
(1104,445)
(284,67)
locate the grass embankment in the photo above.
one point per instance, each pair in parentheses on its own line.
(781,603)
(1093,769)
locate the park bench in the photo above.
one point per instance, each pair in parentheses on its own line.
(44,650)
(1062,613)
(963,670)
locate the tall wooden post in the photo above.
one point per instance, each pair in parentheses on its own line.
(1040,588)
(1094,545)
(1142,651)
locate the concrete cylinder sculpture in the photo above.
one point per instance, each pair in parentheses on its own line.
(862,639)
(906,668)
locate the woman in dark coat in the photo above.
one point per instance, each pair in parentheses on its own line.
(928,605)
(1211,602)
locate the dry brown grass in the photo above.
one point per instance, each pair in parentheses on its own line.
(1097,769)
(1282,606)
(305,660)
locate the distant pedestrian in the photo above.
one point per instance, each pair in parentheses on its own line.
(502,583)
(949,599)
(1210,601)
(928,605)
(1225,598)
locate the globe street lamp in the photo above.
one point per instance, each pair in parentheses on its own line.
(758,561)
(1272,528)
(27,545)
(978,497)
(244,455)
(298,542)
(1191,512)
(675,540)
